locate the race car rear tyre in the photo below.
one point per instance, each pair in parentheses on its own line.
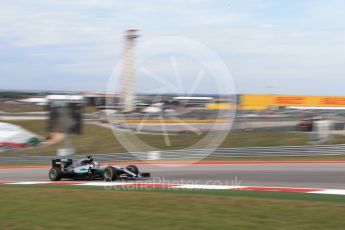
(110,174)
(55,174)
(133,169)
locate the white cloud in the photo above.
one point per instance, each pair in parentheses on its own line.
(297,34)
(268,26)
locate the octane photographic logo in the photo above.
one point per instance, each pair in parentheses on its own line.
(166,128)
(177,184)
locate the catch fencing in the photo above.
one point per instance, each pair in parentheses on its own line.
(246,152)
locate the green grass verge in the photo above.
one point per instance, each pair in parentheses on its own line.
(59,207)
(233,159)
(24,109)
(101,140)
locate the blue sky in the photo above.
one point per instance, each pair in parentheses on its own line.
(292,47)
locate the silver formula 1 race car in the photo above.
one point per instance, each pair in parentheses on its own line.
(87,168)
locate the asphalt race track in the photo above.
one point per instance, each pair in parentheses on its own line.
(307,175)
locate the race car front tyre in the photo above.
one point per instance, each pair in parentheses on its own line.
(110,174)
(55,174)
(133,169)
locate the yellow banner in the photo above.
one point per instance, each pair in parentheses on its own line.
(265,101)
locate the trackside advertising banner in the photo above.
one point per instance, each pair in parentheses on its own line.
(265,101)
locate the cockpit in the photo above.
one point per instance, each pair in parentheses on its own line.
(84,162)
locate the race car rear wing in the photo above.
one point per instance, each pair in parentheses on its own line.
(59,163)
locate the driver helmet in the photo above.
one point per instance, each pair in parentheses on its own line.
(96,164)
